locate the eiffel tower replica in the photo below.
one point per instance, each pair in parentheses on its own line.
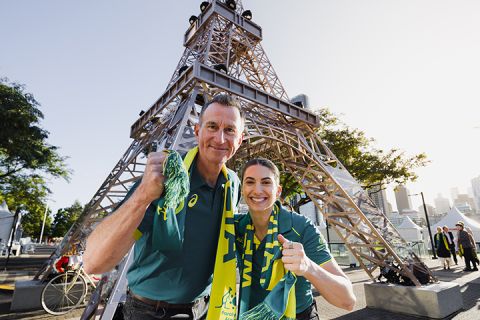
(223,53)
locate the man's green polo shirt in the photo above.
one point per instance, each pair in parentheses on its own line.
(295,228)
(184,276)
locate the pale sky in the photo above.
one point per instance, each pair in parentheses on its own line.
(405,72)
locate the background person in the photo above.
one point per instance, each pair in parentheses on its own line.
(443,248)
(262,233)
(466,246)
(451,243)
(474,249)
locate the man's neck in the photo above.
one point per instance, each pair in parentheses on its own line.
(208,171)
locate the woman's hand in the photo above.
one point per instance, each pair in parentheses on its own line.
(294,258)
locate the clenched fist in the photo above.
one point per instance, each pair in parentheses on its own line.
(151,187)
(294,258)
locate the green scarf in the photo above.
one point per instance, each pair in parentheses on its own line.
(171,222)
(280,302)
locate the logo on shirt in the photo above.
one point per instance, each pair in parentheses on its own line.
(228,300)
(193,200)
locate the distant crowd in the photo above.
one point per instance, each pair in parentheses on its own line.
(448,246)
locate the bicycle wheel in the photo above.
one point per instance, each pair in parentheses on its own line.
(64,293)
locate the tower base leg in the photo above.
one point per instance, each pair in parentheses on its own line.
(437,300)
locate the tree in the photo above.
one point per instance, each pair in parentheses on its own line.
(64,218)
(26,158)
(23,144)
(370,166)
(29,194)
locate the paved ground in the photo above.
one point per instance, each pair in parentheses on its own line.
(469,286)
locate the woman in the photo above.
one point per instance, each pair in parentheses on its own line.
(281,253)
(474,249)
(443,248)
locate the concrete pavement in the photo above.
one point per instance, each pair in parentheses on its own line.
(469,285)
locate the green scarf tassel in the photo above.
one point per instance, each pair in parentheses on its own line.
(168,235)
(276,302)
(177,184)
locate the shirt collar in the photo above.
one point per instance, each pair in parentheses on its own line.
(197,180)
(284,220)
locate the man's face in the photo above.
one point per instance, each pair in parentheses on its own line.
(445,229)
(219,134)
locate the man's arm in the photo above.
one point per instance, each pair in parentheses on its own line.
(113,237)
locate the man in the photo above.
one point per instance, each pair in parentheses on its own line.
(465,247)
(174,282)
(451,243)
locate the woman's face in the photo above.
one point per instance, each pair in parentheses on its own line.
(259,189)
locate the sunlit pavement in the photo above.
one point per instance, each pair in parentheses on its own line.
(469,286)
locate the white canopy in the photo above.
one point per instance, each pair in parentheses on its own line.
(408,224)
(409,230)
(6,220)
(452,217)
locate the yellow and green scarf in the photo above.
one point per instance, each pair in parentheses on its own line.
(280,302)
(170,221)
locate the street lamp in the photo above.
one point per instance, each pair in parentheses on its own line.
(428,223)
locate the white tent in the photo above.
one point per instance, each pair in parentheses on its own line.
(6,220)
(409,230)
(452,217)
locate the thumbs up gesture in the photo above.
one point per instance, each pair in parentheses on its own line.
(294,258)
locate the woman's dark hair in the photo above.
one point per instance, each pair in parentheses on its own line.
(263,162)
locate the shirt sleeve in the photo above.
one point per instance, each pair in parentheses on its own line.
(314,244)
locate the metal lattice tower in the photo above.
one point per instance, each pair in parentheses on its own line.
(223,54)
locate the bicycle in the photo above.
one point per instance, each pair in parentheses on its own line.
(66,291)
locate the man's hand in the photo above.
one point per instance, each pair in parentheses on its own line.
(152,185)
(294,258)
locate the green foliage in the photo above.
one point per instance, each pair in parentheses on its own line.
(23,144)
(368,165)
(26,158)
(29,194)
(64,218)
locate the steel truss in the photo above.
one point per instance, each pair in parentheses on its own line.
(275,128)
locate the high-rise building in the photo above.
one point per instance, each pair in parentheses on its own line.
(463,200)
(431,210)
(442,205)
(402,199)
(389,208)
(476,192)
(379,197)
(454,193)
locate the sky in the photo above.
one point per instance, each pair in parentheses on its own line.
(407,73)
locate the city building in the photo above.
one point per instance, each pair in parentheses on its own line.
(464,203)
(402,199)
(379,197)
(476,192)
(389,208)
(442,205)
(413,214)
(430,209)
(454,192)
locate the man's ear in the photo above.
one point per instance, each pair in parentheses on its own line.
(195,129)
(240,140)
